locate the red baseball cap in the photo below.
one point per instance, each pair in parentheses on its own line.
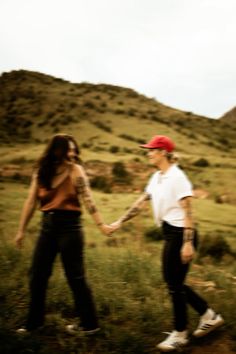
(160,142)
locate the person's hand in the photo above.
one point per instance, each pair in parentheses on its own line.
(18,240)
(116,225)
(107,229)
(187,252)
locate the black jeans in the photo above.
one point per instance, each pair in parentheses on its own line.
(61,232)
(174,272)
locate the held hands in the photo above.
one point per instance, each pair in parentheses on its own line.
(109,229)
(106,229)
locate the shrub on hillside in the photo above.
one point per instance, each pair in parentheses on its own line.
(202,162)
(215,246)
(153,234)
(114,149)
(97,97)
(50,115)
(73,105)
(119,111)
(127,137)
(103,126)
(131,112)
(127,150)
(120,174)
(101,183)
(90,105)
(223,141)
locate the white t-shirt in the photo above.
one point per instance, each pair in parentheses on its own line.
(165,191)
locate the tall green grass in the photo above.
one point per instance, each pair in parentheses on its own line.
(125,275)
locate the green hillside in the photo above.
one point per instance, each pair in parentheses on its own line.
(109,122)
(124,270)
(32,103)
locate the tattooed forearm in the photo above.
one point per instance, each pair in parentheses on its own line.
(84,191)
(187,206)
(188,235)
(136,208)
(92,208)
(80,184)
(130,214)
(188,218)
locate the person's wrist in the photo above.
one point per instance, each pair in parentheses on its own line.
(188,234)
(120,221)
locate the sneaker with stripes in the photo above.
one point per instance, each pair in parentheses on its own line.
(207,325)
(176,340)
(74,328)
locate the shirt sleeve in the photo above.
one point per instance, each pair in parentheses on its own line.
(150,186)
(183,187)
(147,189)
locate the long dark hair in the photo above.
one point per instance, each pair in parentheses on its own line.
(54,155)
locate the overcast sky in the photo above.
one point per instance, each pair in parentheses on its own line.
(182,52)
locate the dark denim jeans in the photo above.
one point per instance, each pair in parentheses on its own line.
(61,233)
(174,273)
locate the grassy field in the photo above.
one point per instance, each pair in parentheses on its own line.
(109,123)
(125,275)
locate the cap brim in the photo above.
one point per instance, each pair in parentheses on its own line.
(146,146)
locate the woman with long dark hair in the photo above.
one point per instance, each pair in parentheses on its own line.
(60,184)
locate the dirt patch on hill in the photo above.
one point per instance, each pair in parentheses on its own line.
(217,343)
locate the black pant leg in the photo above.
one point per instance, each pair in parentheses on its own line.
(41,269)
(71,249)
(199,304)
(174,272)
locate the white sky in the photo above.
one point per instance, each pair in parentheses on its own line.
(182,52)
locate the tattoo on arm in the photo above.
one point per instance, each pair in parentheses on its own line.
(135,209)
(84,190)
(188,235)
(186,205)
(130,214)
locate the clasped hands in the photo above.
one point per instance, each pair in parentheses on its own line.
(109,229)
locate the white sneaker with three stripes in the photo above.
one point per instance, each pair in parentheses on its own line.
(174,341)
(206,325)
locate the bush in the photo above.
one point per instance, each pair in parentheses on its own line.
(202,162)
(214,246)
(120,173)
(114,149)
(103,126)
(119,111)
(101,183)
(154,234)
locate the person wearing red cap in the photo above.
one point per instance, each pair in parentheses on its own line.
(170,192)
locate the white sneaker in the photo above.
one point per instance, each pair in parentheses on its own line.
(22,330)
(206,326)
(174,341)
(74,328)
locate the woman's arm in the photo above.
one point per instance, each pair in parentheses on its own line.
(84,191)
(27,211)
(187,250)
(134,210)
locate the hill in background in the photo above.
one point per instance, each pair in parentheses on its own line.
(109,122)
(230,117)
(31,101)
